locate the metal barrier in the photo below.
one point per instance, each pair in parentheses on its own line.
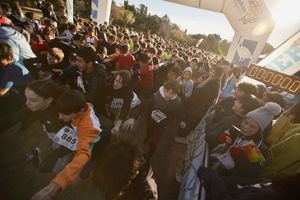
(196,156)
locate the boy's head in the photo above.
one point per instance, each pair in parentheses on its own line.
(199,77)
(245,104)
(171,89)
(144,59)
(86,56)
(179,62)
(173,73)
(6,54)
(237,71)
(55,56)
(29,15)
(70,104)
(153,51)
(49,6)
(90,30)
(73,59)
(124,48)
(245,88)
(121,163)
(72,28)
(4,8)
(274,97)
(48,33)
(102,50)
(78,40)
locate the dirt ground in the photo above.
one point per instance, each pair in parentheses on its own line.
(20,180)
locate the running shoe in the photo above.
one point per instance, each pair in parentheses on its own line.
(35,157)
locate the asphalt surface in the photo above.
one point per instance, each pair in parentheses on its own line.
(20,179)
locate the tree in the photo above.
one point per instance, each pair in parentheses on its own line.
(153,23)
(115,14)
(177,34)
(143,10)
(127,17)
(165,26)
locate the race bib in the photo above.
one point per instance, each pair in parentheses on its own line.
(135,101)
(158,116)
(90,40)
(66,137)
(80,84)
(116,103)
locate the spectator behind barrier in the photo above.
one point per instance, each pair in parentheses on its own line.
(237,160)
(223,108)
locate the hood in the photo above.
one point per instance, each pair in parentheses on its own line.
(161,91)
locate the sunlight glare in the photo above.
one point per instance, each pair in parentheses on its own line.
(286,12)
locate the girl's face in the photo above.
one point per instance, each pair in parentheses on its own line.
(35,102)
(118,83)
(249,127)
(186,75)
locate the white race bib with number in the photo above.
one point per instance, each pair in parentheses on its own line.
(158,116)
(135,101)
(80,84)
(90,40)
(66,137)
(116,103)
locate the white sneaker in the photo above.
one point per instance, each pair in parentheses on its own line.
(34,156)
(178,177)
(181,140)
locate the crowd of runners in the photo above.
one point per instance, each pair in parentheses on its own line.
(91,86)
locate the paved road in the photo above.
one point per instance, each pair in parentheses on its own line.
(19,180)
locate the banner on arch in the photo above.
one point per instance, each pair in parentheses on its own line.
(100,12)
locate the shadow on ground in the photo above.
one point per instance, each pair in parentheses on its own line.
(20,180)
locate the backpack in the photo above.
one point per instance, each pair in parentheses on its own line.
(284,155)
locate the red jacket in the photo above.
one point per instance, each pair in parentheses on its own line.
(125,61)
(147,76)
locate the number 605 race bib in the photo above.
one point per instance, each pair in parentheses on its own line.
(67,137)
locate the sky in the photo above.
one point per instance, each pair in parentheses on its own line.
(285,13)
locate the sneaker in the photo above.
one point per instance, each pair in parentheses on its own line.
(178,177)
(35,157)
(181,140)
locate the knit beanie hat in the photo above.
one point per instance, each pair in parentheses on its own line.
(188,69)
(265,114)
